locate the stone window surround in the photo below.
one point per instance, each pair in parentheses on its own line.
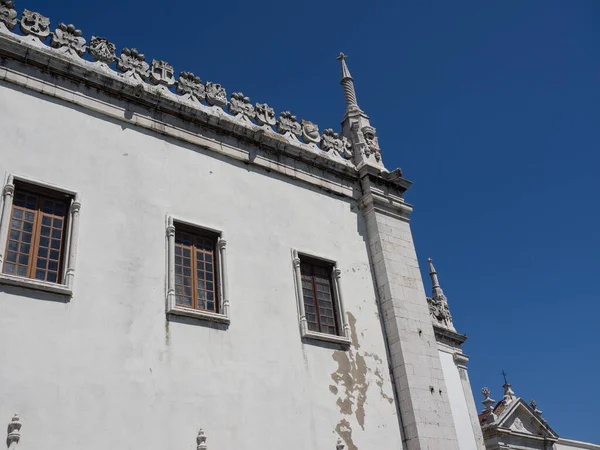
(66,285)
(344,338)
(221,266)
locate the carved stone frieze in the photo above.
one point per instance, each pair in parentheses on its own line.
(133,64)
(265,115)
(288,125)
(310,132)
(68,39)
(241,107)
(100,49)
(161,72)
(35,24)
(8,15)
(190,87)
(215,94)
(333,142)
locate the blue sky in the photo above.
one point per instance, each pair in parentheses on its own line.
(490,108)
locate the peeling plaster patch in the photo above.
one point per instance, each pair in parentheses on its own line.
(379,383)
(345,431)
(351,376)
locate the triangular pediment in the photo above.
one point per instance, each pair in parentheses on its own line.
(520,418)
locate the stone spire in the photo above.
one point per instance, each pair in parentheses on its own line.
(348,84)
(14,433)
(489,405)
(437,291)
(438,304)
(356,126)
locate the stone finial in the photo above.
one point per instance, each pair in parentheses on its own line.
(265,115)
(240,106)
(101,50)
(190,87)
(8,15)
(288,125)
(438,304)
(161,72)
(215,94)
(489,405)
(509,395)
(310,132)
(333,142)
(348,83)
(340,444)
(133,64)
(35,24)
(68,40)
(14,432)
(201,440)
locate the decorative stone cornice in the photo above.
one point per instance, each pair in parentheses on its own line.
(62,63)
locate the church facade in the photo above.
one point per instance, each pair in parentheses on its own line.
(184,268)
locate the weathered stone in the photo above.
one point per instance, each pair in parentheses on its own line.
(288,125)
(310,132)
(265,115)
(8,15)
(190,87)
(241,107)
(35,24)
(67,39)
(100,49)
(215,94)
(133,64)
(339,145)
(161,72)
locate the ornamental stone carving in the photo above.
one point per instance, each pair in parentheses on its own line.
(190,87)
(265,115)
(201,440)
(133,64)
(161,72)
(67,39)
(215,94)
(333,142)
(14,432)
(372,142)
(340,445)
(35,24)
(241,107)
(310,132)
(288,125)
(438,307)
(101,50)
(8,15)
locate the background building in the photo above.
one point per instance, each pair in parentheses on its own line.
(175,258)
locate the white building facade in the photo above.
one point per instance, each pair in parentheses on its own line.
(174,258)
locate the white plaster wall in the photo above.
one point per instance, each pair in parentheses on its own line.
(107,370)
(458,403)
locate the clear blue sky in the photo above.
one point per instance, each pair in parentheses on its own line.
(490,108)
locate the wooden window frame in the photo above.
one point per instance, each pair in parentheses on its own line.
(66,273)
(343,329)
(223,309)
